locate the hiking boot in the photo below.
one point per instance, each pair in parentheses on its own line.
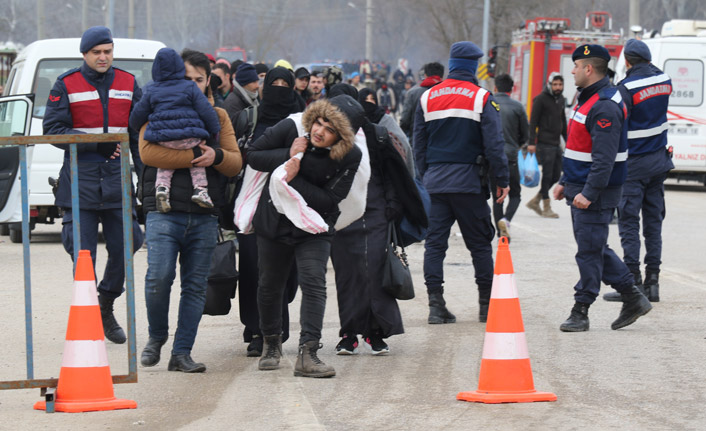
(255,347)
(578,319)
(185,364)
(438,313)
(162,196)
(534,204)
(201,198)
(348,345)
(112,330)
(547,211)
(271,353)
(635,304)
(615,296)
(309,364)
(377,345)
(651,286)
(504,228)
(151,353)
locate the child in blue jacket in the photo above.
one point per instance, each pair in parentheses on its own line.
(180,117)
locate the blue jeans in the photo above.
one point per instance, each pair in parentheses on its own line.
(111,285)
(192,237)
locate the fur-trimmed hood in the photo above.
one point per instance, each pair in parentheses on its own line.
(345,115)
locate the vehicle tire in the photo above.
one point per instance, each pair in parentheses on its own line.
(4,229)
(16,236)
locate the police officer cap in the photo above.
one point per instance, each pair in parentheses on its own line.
(98,35)
(465,50)
(588,51)
(637,48)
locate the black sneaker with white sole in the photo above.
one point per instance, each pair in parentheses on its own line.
(348,345)
(377,345)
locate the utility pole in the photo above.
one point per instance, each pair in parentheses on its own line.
(110,15)
(131,19)
(634,12)
(486,24)
(369,30)
(84,15)
(221,11)
(40,19)
(149,19)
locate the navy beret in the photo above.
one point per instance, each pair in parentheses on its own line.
(95,36)
(465,50)
(637,48)
(588,51)
(245,74)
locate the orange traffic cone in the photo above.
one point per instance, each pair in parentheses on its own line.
(505,370)
(85,382)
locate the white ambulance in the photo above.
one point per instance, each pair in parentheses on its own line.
(680,51)
(33,74)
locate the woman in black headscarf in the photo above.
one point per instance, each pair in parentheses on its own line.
(376,114)
(278,102)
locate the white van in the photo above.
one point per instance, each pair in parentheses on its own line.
(34,72)
(680,51)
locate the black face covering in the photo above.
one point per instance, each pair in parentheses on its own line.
(373,112)
(277,102)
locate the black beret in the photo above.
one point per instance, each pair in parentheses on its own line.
(588,51)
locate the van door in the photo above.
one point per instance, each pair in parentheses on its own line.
(15,116)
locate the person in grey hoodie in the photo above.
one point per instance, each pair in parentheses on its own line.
(547,126)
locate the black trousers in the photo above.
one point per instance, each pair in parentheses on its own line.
(550,157)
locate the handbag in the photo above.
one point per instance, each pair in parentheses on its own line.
(222,278)
(396,278)
(529,169)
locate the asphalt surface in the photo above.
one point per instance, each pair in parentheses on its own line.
(648,376)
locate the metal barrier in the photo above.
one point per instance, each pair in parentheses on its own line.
(126,180)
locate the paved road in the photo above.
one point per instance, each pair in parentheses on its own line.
(649,376)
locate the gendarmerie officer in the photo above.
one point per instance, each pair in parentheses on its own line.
(457,134)
(594,173)
(646,91)
(96,98)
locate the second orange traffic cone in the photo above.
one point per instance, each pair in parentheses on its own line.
(85,382)
(505,370)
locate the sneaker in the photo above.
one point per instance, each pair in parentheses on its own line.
(504,228)
(162,195)
(348,345)
(377,345)
(201,198)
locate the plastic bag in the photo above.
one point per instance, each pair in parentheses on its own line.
(529,169)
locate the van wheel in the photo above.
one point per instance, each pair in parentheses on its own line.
(4,229)
(16,235)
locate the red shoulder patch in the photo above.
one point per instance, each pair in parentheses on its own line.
(54,98)
(603,123)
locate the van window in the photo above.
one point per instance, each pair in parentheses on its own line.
(49,70)
(687,81)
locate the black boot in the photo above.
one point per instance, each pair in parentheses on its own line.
(112,330)
(652,286)
(578,319)
(151,352)
(635,304)
(186,364)
(483,304)
(615,296)
(438,313)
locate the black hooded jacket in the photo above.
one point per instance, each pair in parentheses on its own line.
(548,120)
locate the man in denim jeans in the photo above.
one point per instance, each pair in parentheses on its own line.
(187,230)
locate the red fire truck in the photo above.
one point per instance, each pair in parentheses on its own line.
(544,46)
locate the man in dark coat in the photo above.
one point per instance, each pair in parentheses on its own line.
(96,98)
(245,92)
(434,73)
(547,126)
